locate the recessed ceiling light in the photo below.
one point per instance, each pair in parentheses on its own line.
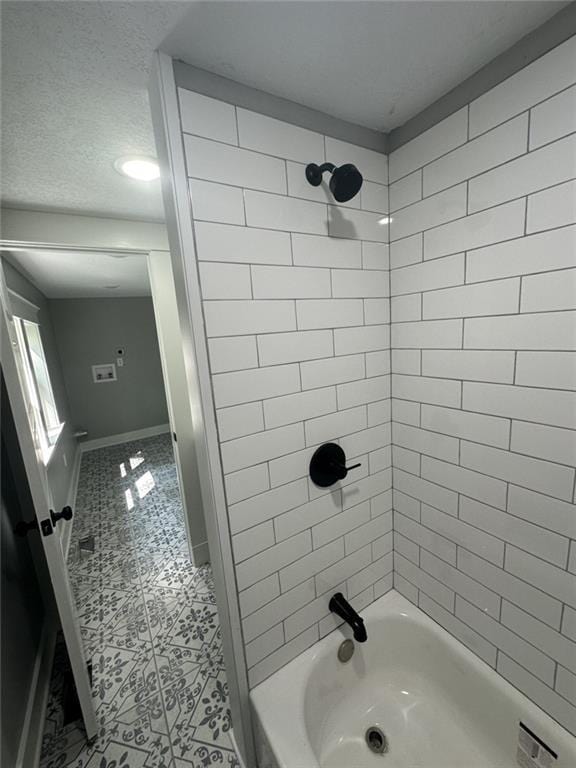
(140,168)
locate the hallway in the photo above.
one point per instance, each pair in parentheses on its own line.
(148,619)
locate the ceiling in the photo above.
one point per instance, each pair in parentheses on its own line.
(74,76)
(72,274)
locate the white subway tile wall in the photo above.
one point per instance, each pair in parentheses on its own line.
(483,258)
(296,303)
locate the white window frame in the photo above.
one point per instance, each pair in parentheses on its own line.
(46,430)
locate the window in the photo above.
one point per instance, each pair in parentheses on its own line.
(45,421)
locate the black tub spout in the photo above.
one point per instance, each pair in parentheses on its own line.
(341,607)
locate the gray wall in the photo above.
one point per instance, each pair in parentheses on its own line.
(88,332)
(61,463)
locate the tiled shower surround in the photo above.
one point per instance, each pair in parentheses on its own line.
(482,274)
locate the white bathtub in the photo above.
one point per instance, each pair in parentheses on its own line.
(438,704)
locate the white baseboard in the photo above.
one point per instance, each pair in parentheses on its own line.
(123,437)
(71,501)
(33,728)
(235,746)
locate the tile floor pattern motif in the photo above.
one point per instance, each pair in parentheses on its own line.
(149,623)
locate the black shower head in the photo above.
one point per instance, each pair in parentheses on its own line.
(344,184)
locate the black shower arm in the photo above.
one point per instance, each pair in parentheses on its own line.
(326,167)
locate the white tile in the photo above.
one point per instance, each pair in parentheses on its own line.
(489,430)
(240,420)
(337,525)
(467,364)
(458,629)
(498,297)
(569,623)
(232,354)
(430,334)
(539,541)
(284,213)
(493,148)
(380,459)
(554,581)
(430,212)
(406,191)
(540,635)
(259,594)
(426,538)
(377,363)
(203,116)
(406,361)
(225,281)
(216,202)
(406,412)
(464,535)
(290,282)
(278,609)
(427,276)
(299,406)
(374,485)
(311,564)
(240,318)
(377,530)
(406,548)
(553,119)
(362,225)
(555,705)
(364,391)
(376,256)
(305,617)
(430,493)
(253,541)
(329,313)
(550,291)
(222,242)
(542,476)
(335,425)
(275,348)
(382,503)
(554,207)
(511,588)
(374,197)
(308,515)
(333,370)
(372,165)
(406,460)
(282,656)
(404,504)
(426,390)
(465,481)
(405,308)
(537,81)
(433,143)
(370,575)
(553,514)
(290,467)
(342,569)
(376,311)
(551,330)
(367,440)
(566,684)
(407,251)
(471,590)
(223,163)
(536,253)
(428,584)
(265,446)
(409,591)
(276,137)
(544,442)
(272,560)
(508,642)
(264,645)
(265,506)
(361,339)
(318,251)
(379,413)
(493,226)
(247,386)
(554,370)
(248,482)
(544,167)
(422,441)
(363,283)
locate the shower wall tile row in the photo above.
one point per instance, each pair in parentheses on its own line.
(297,314)
(483,300)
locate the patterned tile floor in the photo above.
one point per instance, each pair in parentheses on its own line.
(149,623)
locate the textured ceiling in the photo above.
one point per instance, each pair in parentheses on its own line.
(74,76)
(70,274)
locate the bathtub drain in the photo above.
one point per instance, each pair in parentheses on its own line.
(376,741)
